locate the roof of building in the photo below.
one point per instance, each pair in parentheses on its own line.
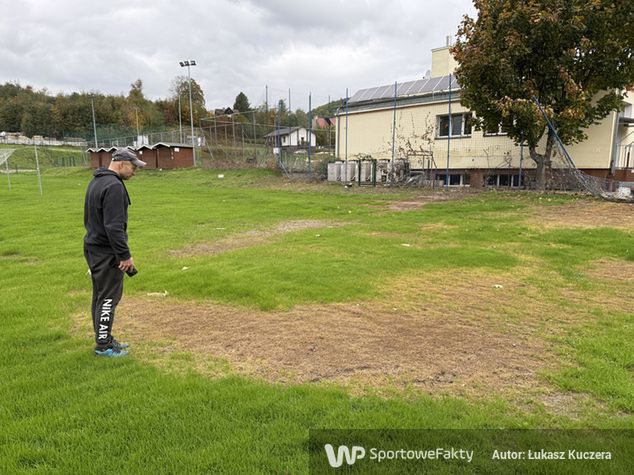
(171,144)
(419,87)
(323,122)
(144,146)
(283,131)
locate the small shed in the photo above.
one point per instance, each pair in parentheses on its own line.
(101,157)
(159,155)
(148,155)
(173,155)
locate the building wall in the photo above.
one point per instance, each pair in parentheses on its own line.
(183,157)
(174,157)
(105,157)
(294,139)
(442,62)
(149,156)
(94,160)
(370,133)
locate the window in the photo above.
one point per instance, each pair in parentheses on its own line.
(455,179)
(504,180)
(460,125)
(499,131)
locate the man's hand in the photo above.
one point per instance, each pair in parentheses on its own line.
(126,265)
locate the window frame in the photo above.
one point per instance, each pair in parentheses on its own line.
(500,132)
(466,124)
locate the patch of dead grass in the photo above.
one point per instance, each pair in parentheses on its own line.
(251,238)
(335,343)
(584,214)
(440,337)
(612,270)
(469,333)
(418,202)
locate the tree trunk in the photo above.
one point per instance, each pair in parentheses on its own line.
(540,171)
(542,161)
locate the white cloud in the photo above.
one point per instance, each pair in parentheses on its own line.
(239,45)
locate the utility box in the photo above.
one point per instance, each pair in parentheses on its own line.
(351,167)
(334,171)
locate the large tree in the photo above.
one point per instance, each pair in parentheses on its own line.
(180,88)
(574,56)
(241,103)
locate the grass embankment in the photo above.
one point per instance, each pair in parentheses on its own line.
(23,157)
(64,411)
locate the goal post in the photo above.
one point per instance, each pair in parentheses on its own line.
(5,153)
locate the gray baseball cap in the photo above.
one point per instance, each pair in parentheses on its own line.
(127,155)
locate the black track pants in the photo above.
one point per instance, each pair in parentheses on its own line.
(107,289)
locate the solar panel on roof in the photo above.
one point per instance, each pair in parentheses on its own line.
(417,87)
(404,88)
(428,86)
(442,84)
(409,88)
(369,94)
(384,92)
(358,96)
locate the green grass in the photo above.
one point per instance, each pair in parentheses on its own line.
(63,411)
(23,157)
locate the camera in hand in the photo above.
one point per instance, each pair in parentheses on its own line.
(132,272)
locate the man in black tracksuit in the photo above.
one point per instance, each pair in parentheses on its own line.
(106,245)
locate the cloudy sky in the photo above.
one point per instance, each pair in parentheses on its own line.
(314,46)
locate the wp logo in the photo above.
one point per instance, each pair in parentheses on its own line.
(351,456)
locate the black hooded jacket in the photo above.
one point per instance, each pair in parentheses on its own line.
(106,215)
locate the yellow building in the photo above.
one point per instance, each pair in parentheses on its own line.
(416,114)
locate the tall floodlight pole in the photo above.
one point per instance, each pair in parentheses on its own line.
(191,110)
(138,133)
(94,123)
(180,120)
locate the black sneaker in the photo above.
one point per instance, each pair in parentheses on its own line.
(119,344)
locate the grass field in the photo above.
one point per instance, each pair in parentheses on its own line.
(265,308)
(23,157)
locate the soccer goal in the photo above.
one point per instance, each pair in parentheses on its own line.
(5,153)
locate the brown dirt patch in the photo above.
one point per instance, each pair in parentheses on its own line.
(452,340)
(344,343)
(619,271)
(468,334)
(419,202)
(584,214)
(252,238)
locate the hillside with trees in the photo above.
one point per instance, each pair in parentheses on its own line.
(31,112)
